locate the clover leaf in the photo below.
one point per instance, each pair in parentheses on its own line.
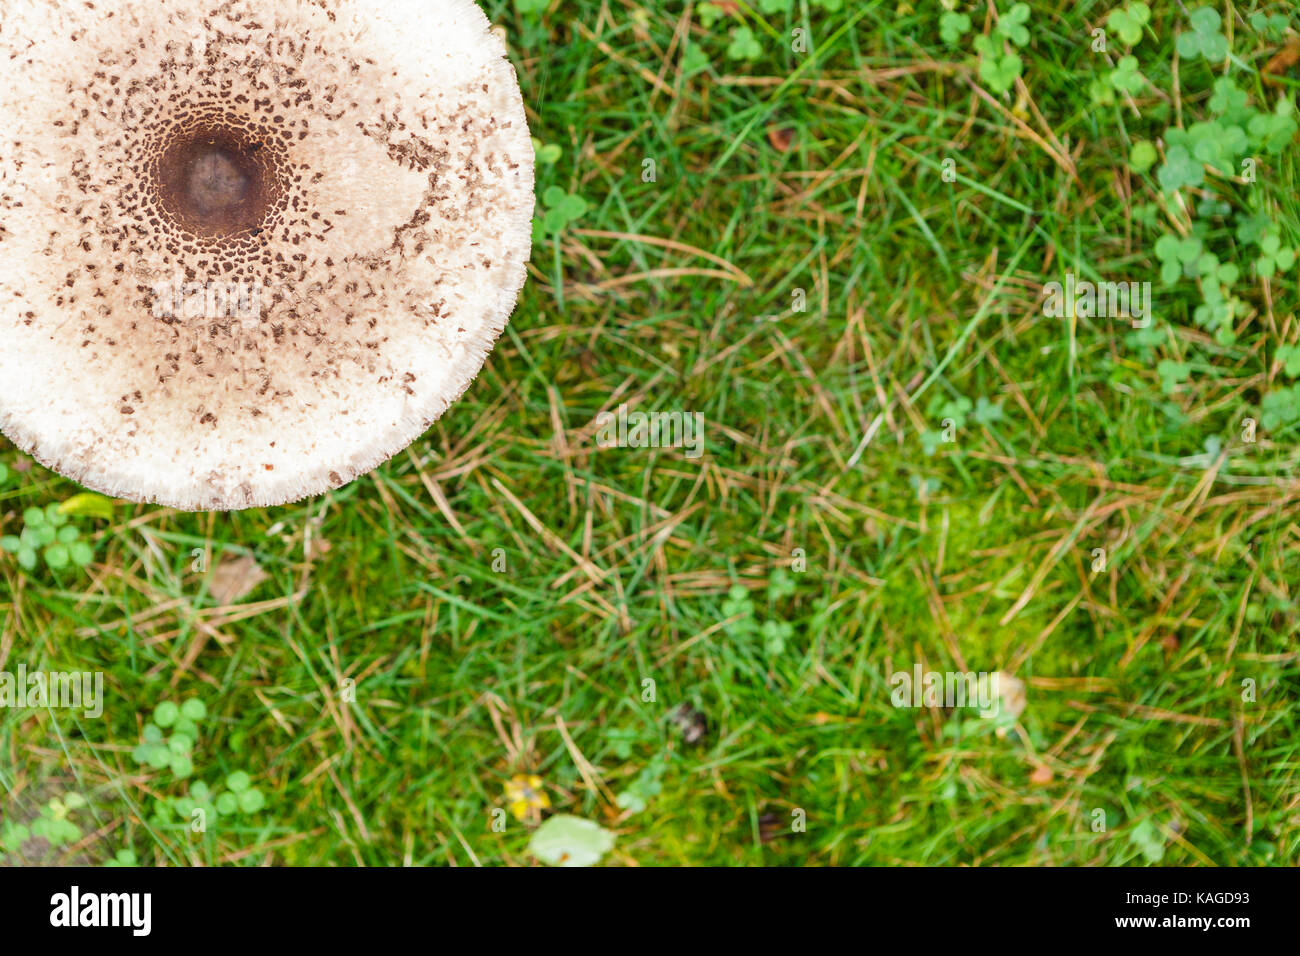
(1146,836)
(1213,209)
(1142,156)
(1180,169)
(743,45)
(1210,269)
(957,409)
(1289,356)
(1172,374)
(562,209)
(1280,407)
(694,58)
(739,606)
(1012,24)
(1271,27)
(1101,93)
(1176,255)
(1274,131)
(1126,78)
(986,412)
(781,585)
(1273,256)
(547,154)
(952,26)
(1128,23)
(165,714)
(1205,40)
(1230,101)
(1216,144)
(775,634)
(710,13)
(997,69)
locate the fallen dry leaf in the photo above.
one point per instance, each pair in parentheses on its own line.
(770,826)
(781,138)
(234,579)
(1282,60)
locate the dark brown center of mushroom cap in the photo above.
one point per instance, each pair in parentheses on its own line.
(216,180)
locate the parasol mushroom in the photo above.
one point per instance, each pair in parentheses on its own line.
(250,251)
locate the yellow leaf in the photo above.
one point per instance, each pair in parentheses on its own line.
(88,503)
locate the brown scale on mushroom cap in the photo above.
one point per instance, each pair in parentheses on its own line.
(246,255)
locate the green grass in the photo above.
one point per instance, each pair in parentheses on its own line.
(677,294)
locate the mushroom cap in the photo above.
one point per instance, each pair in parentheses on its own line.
(250,251)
